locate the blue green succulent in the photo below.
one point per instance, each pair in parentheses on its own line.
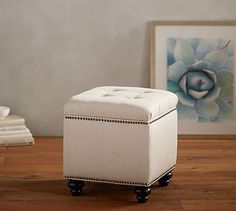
(200,72)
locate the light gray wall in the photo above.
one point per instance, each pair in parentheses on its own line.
(53,49)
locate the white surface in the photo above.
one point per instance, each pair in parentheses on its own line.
(127,103)
(163,32)
(53,49)
(120,152)
(162,145)
(4,112)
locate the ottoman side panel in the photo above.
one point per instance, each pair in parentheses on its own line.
(106,151)
(163,145)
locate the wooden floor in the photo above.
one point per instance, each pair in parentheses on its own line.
(204,179)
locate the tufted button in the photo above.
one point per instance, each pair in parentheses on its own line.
(150,92)
(138,97)
(118,90)
(106,95)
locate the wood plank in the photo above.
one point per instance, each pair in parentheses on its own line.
(2,160)
(209,204)
(31,178)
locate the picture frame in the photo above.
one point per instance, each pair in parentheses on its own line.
(197,61)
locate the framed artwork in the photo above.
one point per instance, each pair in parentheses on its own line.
(196,61)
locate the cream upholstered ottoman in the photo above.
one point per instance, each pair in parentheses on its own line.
(120,135)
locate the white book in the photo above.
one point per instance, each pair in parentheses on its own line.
(15,137)
(12,120)
(17,142)
(13,128)
(14,132)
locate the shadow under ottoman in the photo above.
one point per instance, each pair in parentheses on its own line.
(120,135)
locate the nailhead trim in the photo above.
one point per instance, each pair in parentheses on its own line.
(100,119)
(105,181)
(105,120)
(117,182)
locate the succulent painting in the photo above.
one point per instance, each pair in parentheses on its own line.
(200,72)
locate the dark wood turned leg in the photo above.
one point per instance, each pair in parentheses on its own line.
(76,187)
(142,193)
(165,180)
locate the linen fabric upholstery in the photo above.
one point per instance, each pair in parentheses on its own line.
(132,103)
(121,135)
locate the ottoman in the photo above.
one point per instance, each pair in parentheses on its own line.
(120,135)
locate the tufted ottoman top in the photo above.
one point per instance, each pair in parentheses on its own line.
(126,103)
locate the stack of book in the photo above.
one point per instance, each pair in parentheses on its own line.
(13,132)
